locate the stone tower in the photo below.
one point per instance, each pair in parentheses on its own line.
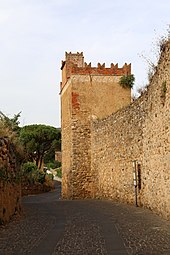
(87,93)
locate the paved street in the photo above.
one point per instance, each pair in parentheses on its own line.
(50,226)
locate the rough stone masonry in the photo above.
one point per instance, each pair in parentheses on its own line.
(103,133)
(10,184)
(86,93)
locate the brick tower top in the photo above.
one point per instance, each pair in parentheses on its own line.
(71,59)
(74,64)
(74,58)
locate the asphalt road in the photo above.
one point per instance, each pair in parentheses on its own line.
(51,226)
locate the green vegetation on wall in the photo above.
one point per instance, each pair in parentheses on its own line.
(127,81)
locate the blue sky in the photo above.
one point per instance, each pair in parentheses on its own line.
(34,35)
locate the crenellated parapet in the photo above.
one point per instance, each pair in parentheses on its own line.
(102,70)
(74,64)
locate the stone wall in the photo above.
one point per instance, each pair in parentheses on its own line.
(87,93)
(93,96)
(116,142)
(10,187)
(139,132)
(67,138)
(156,141)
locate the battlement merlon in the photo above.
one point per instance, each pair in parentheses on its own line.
(74,64)
(102,70)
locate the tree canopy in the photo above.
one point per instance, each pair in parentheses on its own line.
(12,124)
(38,140)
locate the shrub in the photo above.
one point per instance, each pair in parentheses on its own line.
(127,81)
(41,177)
(30,172)
(59,172)
(29,167)
(53,165)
